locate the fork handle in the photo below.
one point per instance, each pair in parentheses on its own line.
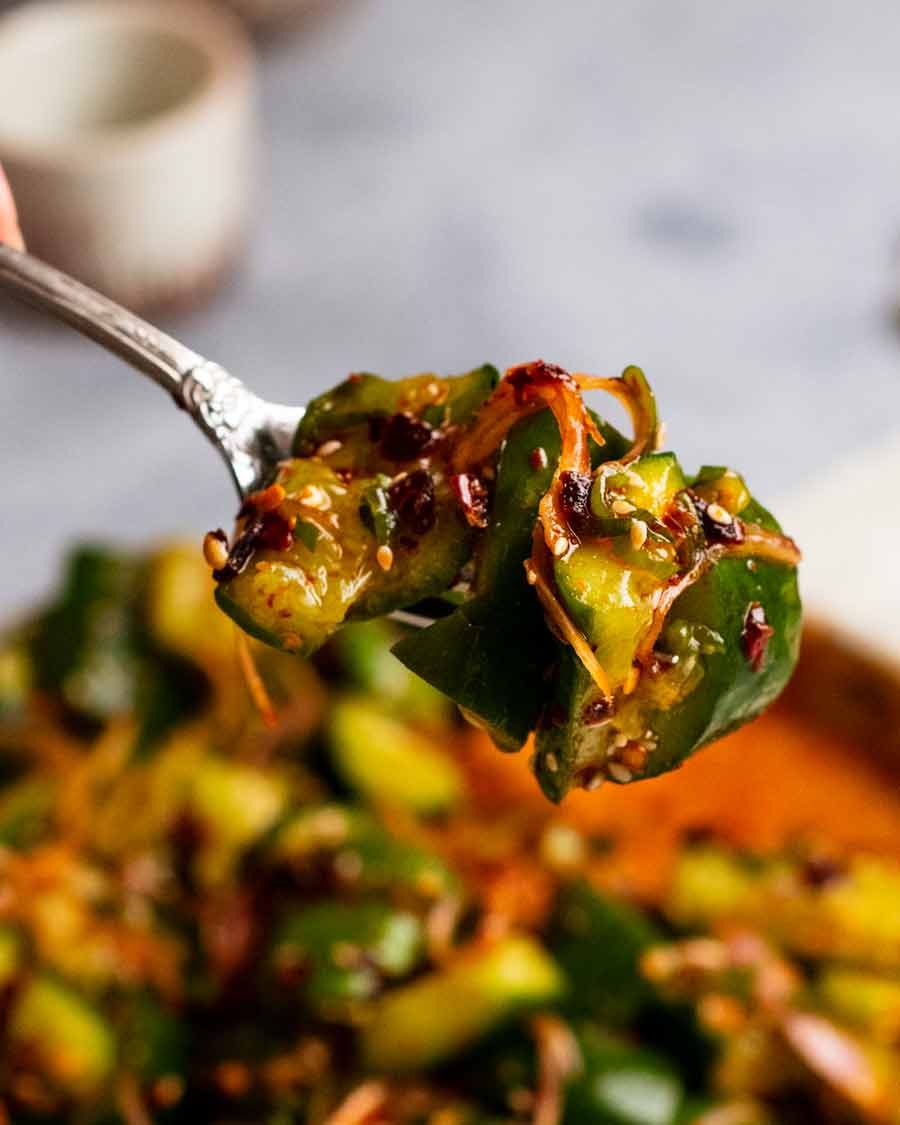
(227,412)
(140,344)
(217,401)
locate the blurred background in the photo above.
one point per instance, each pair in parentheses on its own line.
(710,191)
(214,882)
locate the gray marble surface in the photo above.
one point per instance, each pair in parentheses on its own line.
(710,190)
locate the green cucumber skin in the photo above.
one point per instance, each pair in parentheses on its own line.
(730,693)
(491,655)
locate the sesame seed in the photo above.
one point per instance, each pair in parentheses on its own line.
(560,547)
(562,847)
(215,549)
(384,556)
(719,514)
(315,497)
(530,575)
(622,507)
(619,773)
(751,565)
(638,533)
(620,741)
(551,762)
(328,447)
(594,782)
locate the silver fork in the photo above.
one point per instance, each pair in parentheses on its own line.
(253,435)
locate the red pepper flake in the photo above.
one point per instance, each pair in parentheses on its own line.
(529,375)
(276,533)
(755,635)
(574,497)
(242,551)
(714,529)
(597,711)
(537,458)
(473,496)
(681,518)
(820,871)
(404,437)
(412,498)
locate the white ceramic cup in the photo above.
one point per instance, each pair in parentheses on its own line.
(272,15)
(127,133)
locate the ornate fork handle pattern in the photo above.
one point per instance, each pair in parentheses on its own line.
(226,411)
(249,432)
